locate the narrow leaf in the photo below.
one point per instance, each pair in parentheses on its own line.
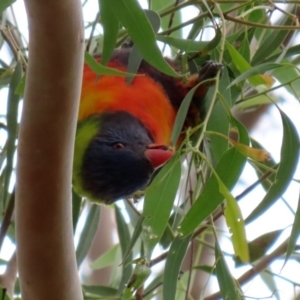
(242,65)
(294,234)
(4,4)
(134,19)
(88,233)
(12,125)
(254,71)
(158,203)
(229,287)
(101,70)
(99,290)
(218,120)
(173,263)
(236,226)
(181,114)
(135,57)
(127,256)
(124,238)
(183,44)
(228,169)
(110,29)
(106,259)
(294,50)
(288,162)
(3,293)
(272,42)
(76,207)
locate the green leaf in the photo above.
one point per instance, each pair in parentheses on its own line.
(207,269)
(76,207)
(294,50)
(140,275)
(183,44)
(174,260)
(3,294)
(101,70)
(294,234)
(229,169)
(106,259)
(254,71)
(288,162)
(124,238)
(245,48)
(159,201)
(4,4)
(135,57)
(242,65)
(134,19)
(154,283)
(218,120)
(270,282)
(181,114)
(127,256)
(259,246)
(271,43)
(21,86)
(229,287)
(5,76)
(285,75)
(99,290)
(213,43)
(175,18)
(110,28)
(88,233)
(255,101)
(236,226)
(269,164)
(12,126)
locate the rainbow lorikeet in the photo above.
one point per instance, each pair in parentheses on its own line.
(124,130)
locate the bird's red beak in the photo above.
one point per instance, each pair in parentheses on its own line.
(158,154)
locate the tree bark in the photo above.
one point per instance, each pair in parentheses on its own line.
(45,249)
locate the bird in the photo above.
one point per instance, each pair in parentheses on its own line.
(124,130)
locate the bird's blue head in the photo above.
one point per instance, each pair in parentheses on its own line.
(118,158)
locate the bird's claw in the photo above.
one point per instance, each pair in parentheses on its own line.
(209,70)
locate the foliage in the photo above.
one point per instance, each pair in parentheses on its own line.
(257,48)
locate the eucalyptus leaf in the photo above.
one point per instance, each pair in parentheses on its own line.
(12,126)
(110,28)
(228,169)
(135,21)
(88,233)
(288,162)
(229,287)
(4,4)
(159,201)
(173,263)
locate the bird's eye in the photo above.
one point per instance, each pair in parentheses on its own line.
(118,146)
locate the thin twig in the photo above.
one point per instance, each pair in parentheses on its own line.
(92,32)
(8,279)
(7,218)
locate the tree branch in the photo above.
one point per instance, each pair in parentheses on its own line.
(46,260)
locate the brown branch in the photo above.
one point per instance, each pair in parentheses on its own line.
(45,247)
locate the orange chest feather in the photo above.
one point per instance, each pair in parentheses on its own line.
(144,98)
